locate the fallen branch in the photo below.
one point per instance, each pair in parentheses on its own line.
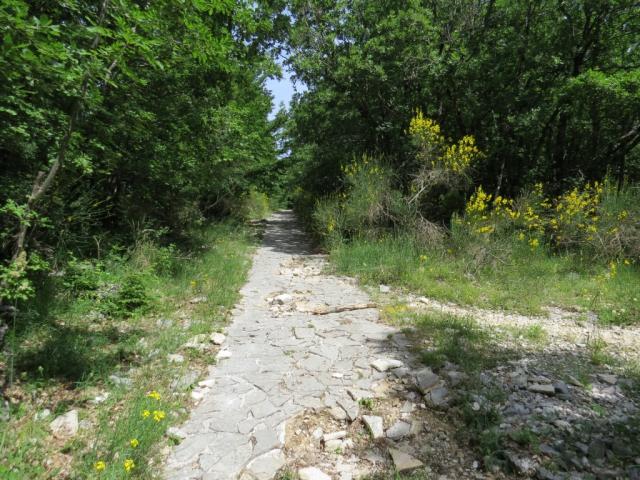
(343,308)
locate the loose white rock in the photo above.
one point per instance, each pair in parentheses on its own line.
(65,426)
(217,338)
(384,289)
(282,299)
(312,473)
(375,425)
(384,364)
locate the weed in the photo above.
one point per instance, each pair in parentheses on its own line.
(366,403)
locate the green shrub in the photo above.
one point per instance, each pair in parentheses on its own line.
(255,205)
(128,298)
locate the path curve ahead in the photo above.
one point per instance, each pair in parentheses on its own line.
(283,361)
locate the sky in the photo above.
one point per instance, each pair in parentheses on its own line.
(282,90)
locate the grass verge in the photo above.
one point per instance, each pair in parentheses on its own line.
(506,276)
(98,343)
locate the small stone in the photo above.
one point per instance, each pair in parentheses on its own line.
(197,342)
(41,415)
(545,389)
(351,408)
(65,426)
(338,413)
(312,473)
(185,381)
(101,398)
(455,377)
(384,364)
(524,465)
(561,388)
(334,436)
(608,378)
(175,358)
(398,430)
(176,433)
(223,354)
(200,299)
(317,434)
(375,425)
(384,288)
(426,380)
(407,407)
(217,338)
(404,462)
(208,383)
(121,381)
(266,465)
(574,381)
(518,378)
(282,299)
(437,397)
(400,372)
(544,474)
(333,445)
(547,450)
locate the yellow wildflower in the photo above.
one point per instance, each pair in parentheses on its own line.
(99,466)
(158,415)
(423,258)
(146,413)
(129,465)
(153,394)
(534,242)
(134,443)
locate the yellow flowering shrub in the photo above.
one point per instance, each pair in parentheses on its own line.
(579,218)
(435,152)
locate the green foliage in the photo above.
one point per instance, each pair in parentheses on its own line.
(549,90)
(151,116)
(64,341)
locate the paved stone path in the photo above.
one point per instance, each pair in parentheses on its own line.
(283,360)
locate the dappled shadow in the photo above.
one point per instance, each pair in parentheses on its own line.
(285,235)
(76,354)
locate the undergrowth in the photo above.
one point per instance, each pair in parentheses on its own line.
(96,340)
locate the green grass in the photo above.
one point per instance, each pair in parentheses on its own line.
(67,345)
(501,275)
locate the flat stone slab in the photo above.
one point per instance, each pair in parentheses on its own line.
(403,462)
(276,361)
(375,425)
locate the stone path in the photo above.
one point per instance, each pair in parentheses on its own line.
(281,360)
